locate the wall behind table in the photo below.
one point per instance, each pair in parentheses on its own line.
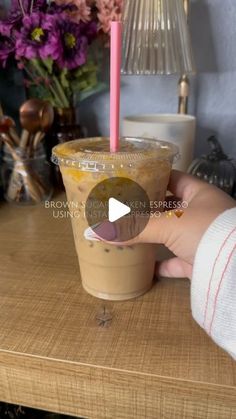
(11,91)
(213,90)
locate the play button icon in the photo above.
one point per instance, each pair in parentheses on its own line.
(117,210)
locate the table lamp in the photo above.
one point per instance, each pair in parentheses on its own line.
(156,40)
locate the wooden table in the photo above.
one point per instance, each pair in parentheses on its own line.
(151,361)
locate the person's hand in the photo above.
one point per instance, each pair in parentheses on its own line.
(181,235)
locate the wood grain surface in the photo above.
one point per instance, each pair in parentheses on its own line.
(149,360)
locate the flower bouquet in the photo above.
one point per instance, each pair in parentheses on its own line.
(59,45)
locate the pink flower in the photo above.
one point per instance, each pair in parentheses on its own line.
(27,83)
(80,10)
(108,10)
(20,65)
(47,82)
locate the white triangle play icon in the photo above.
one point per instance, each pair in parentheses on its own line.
(117,210)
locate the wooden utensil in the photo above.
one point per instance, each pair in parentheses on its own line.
(24,139)
(21,176)
(14,136)
(36,115)
(39,136)
(7,125)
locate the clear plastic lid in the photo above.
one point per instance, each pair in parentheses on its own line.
(92,154)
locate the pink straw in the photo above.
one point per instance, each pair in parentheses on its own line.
(116,40)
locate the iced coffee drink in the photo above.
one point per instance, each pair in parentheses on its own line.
(113,271)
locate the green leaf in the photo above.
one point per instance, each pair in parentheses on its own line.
(42,93)
(89,67)
(48,63)
(101,87)
(64,78)
(38,67)
(78,85)
(85,78)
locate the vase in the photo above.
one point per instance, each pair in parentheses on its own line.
(26,181)
(65,128)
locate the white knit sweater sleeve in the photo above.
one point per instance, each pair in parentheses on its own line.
(213,288)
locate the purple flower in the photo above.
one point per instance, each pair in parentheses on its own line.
(90,30)
(38,37)
(14,19)
(16,14)
(74,44)
(35,5)
(5,29)
(7,47)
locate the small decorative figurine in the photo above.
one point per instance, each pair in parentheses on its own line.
(216,168)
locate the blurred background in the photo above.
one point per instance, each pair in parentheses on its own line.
(213,89)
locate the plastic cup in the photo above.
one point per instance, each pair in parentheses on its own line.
(108,271)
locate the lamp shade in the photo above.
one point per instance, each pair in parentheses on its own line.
(156,38)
